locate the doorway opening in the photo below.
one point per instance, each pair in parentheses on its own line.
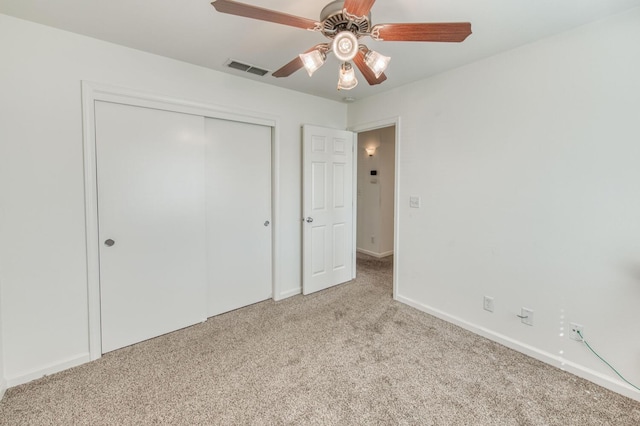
(376,195)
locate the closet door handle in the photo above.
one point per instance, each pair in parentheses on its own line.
(309,219)
(109,242)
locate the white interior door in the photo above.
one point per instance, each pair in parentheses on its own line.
(151,205)
(238,188)
(328,246)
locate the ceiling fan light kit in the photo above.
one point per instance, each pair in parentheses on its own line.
(344,22)
(377,62)
(312,60)
(345,45)
(347,77)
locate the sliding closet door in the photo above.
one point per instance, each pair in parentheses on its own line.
(151,207)
(238,188)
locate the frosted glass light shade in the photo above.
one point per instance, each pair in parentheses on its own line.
(312,61)
(345,46)
(347,79)
(376,62)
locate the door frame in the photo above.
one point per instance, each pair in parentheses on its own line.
(92,92)
(373,125)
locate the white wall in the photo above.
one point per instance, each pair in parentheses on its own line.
(376,193)
(42,234)
(528,167)
(3,381)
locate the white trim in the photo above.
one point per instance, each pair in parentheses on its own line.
(115,94)
(50,369)
(546,357)
(378,124)
(3,387)
(289,293)
(354,201)
(92,92)
(373,254)
(275,211)
(375,125)
(91,219)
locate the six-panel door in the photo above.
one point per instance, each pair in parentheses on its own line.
(328,247)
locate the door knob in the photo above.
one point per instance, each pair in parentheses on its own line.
(266,223)
(309,219)
(109,242)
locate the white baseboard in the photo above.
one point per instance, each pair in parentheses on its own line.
(378,255)
(288,293)
(47,370)
(546,357)
(3,387)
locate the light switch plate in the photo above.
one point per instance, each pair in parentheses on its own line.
(414,202)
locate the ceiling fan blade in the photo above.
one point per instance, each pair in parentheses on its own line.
(366,71)
(359,7)
(296,63)
(442,31)
(254,12)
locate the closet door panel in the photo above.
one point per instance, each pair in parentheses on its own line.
(152,222)
(238,188)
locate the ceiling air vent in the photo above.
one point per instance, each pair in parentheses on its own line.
(246,68)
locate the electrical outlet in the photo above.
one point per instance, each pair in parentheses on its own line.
(573,333)
(414,202)
(488,303)
(526,316)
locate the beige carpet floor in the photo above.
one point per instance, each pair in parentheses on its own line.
(349,355)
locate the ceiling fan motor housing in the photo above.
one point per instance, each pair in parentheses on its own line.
(334,20)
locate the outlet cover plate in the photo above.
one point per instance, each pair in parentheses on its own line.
(488,303)
(526,316)
(573,331)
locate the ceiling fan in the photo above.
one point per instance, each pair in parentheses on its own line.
(344,22)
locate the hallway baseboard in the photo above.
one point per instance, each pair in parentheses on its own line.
(378,255)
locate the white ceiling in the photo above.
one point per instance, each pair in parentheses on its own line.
(192,31)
